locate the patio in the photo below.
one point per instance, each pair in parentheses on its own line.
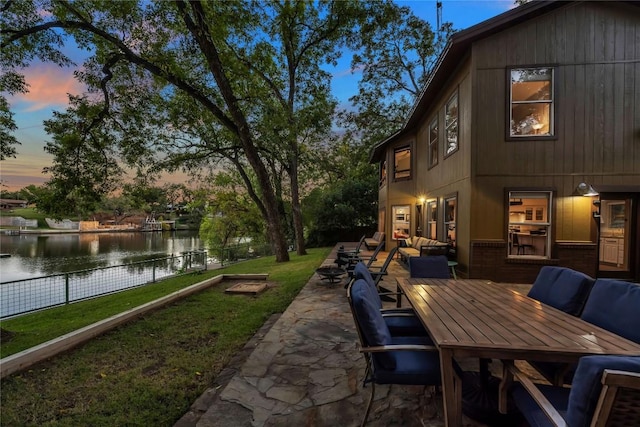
(303,368)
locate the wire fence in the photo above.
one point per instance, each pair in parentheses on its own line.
(23,296)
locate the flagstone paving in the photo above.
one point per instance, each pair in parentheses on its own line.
(303,368)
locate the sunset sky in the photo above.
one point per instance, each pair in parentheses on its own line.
(49,86)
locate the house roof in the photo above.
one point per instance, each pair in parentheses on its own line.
(456,49)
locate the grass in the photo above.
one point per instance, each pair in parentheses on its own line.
(27,213)
(150,371)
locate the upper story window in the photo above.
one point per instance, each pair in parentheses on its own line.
(451,125)
(529,224)
(433,142)
(531,102)
(383,173)
(402,163)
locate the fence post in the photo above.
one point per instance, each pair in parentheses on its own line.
(153,277)
(66,288)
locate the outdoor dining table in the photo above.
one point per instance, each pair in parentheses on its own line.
(484,320)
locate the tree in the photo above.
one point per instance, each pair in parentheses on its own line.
(84,168)
(252,69)
(396,52)
(231,216)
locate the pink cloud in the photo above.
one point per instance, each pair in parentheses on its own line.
(48,87)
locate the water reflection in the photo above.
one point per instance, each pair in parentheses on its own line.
(40,255)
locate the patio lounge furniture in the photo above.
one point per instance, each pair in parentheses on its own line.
(390,360)
(353,260)
(421,246)
(605,391)
(375,240)
(435,267)
(344,255)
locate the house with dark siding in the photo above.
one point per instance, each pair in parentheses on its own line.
(523,149)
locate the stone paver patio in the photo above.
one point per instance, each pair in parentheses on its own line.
(303,368)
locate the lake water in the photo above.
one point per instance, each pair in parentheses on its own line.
(34,255)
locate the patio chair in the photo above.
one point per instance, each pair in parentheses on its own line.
(612,305)
(343,256)
(562,288)
(390,360)
(400,321)
(361,258)
(434,267)
(605,391)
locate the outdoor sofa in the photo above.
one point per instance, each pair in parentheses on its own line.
(421,246)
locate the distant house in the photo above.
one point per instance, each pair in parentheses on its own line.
(523,148)
(12,203)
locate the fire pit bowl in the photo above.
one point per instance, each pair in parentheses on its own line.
(332,274)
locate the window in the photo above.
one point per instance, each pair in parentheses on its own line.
(450,218)
(529,226)
(432,220)
(383,173)
(400,223)
(451,125)
(402,163)
(433,142)
(531,99)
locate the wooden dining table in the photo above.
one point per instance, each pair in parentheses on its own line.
(484,320)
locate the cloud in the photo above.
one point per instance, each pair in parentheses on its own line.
(48,88)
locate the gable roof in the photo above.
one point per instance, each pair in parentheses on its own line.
(456,49)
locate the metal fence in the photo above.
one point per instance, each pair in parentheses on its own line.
(23,296)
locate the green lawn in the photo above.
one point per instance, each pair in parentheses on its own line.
(27,213)
(150,371)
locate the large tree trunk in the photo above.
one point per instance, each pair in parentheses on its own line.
(295,208)
(200,30)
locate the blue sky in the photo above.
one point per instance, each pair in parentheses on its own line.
(49,87)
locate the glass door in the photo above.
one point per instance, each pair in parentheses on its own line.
(618,225)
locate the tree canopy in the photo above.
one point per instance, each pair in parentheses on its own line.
(203,86)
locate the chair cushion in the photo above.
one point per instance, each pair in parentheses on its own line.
(409,326)
(361,272)
(371,322)
(614,306)
(412,368)
(557,396)
(562,288)
(587,385)
(436,267)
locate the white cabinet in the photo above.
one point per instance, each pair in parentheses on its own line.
(612,250)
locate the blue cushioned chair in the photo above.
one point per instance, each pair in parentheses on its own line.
(390,360)
(434,267)
(566,290)
(614,305)
(562,288)
(605,388)
(400,321)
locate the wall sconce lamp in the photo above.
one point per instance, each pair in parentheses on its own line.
(584,189)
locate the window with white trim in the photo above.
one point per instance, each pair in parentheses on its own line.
(529,224)
(531,98)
